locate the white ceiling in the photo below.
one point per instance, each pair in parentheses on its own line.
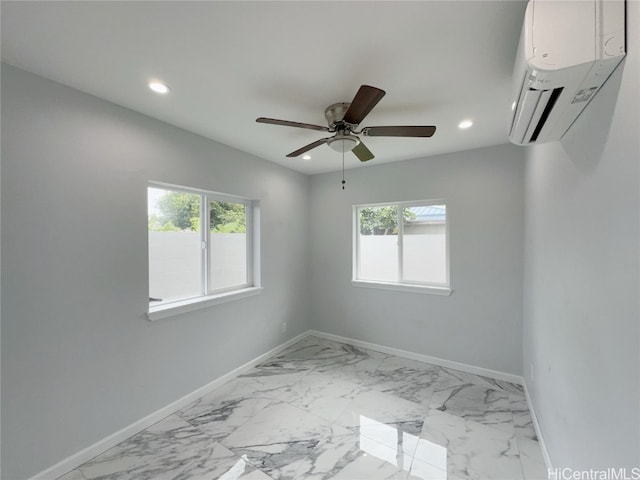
(228,63)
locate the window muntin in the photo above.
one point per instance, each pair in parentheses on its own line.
(402,243)
(200,244)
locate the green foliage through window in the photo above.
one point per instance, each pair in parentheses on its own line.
(227,217)
(179,211)
(382,220)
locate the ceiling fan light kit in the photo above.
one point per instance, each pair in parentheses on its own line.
(343,119)
(343,142)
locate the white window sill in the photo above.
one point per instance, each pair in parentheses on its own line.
(403,287)
(176,308)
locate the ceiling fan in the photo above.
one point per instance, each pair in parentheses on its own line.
(344,118)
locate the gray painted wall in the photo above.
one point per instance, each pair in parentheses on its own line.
(76,348)
(481,322)
(582,289)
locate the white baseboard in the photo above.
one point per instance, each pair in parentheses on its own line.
(517,379)
(508,377)
(83,456)
(536,426)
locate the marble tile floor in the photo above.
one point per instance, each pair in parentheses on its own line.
(324,410)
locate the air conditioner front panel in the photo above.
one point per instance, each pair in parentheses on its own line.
(567,50)
(563,33)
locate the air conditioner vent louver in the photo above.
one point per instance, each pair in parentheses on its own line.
(551,100)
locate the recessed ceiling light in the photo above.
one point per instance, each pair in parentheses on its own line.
(306,157)
(465,124)
(158,87)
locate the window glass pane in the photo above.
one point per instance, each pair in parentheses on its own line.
(424,252)
(378,243)
(174,245)
(227,245)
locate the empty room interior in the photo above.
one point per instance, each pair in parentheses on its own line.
(320,240)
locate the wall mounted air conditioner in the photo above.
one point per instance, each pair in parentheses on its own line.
(567,51)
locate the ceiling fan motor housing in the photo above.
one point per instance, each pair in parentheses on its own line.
(343,119)
(343,140)
(335,113)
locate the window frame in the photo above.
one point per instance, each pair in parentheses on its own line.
(207,198)
(209,297)
(400,285)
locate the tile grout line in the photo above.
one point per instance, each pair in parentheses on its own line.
(176,406)
(494,374)
(79,458)
(518,380)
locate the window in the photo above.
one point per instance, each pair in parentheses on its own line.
(201,247)
(402,246)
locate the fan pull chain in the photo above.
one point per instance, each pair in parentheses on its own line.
(343,180)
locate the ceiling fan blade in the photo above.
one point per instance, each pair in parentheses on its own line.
(306,148)
(362,152)
(286,123)
(407,131)
(366,98)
